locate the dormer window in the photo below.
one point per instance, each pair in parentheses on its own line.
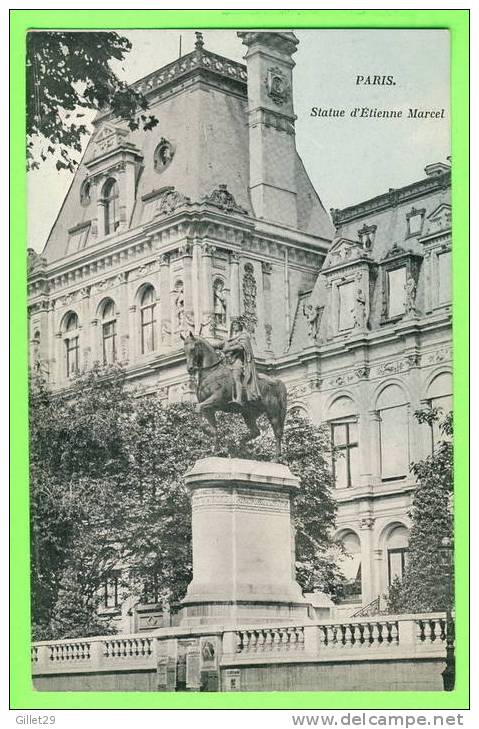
(111,203)
(400,274)
(346,305)
(415,222)
(367,235)
(85,191)
(396,292)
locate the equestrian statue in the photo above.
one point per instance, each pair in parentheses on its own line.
(226,380)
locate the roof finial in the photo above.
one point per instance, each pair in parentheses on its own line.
(199,40)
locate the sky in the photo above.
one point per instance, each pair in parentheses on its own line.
(348,159)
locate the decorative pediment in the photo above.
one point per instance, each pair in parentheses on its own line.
(344,251)
(439,220)
(108,138)
(222,199)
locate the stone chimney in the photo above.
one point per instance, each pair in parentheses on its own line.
(272,150)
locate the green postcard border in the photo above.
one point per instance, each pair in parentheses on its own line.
(22,694)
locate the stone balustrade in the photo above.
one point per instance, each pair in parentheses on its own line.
(382,638)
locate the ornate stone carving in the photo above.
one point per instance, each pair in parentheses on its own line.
(169,201)
(35,262)
(163,155)
(277,86)
(367,522)
(444,354)
(266,267)
(249,298)
(362,373)
(222,199)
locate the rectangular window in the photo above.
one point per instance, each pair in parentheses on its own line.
(147,329)
(72,350)
(77,239)
(109,342)
(444,275)
(346,306)
(110,592)
(346,461)
(396,292)
(397,561)
(394,443)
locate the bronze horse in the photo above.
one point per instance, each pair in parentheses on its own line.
(214,390)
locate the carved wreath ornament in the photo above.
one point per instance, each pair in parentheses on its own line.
(277,86)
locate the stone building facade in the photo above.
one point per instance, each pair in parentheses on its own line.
(211,216)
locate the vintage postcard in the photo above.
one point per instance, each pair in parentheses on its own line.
(240,299)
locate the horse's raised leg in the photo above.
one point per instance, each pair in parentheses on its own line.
(250,417)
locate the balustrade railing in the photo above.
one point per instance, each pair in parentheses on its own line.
(384,637)
(264,640)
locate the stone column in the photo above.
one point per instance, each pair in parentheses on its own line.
(375,446)
(86,351)
(196,282)
(243,564)
(124,324)
(207,306)
(164,295)
(234,303)
(366,525)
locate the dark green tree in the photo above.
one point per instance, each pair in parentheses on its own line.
(427,583)
(107,489)
(68,73)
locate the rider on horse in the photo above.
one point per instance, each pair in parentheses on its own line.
(240,358)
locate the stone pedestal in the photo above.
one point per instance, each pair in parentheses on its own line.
(243,543)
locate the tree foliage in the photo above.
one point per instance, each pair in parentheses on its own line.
(107,490)
(428,580)
(68,73)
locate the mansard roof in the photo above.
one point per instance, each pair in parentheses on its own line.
(201,103)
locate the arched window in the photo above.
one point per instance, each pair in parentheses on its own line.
(344,439)
(392,410)
(85,191)
(72,347)
(397,548)
(439,395)
(111,206)
(109,332)
(147,320)
(351,566)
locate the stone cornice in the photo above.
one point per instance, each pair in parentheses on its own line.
(391,199)
(370,341)
(199,62)
(230,232)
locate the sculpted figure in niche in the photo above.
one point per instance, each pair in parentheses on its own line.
(219,294)
(179,304)
(359,311)
(410,295)
(312,314)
